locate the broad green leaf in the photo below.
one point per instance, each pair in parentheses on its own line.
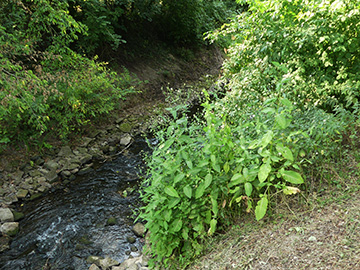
(212,228)
(253,144)
(248,189)
(167,144)
(176,225)
(169,190)
(261,208)
(167,214)
(208,180)
(281,120)
(268,110)
(185,233)
(237,179)
(292,177)
(215,207)
(291,190)
(179,177)
(188,191)
(203,163)
(287,103)
(173,202)
(199,191)
(264,171)
(216,167)
(266,139)
(285,151)
(189,163)
(226,167)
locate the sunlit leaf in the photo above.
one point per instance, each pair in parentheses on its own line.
(208,180)
(200,191)
(261,208)
(212,228)
(248,189)
(291,190)
(171,191)
(292,177)
(176,225)
(188,191)
(264,171)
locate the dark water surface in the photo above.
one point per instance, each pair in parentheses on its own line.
(63,228)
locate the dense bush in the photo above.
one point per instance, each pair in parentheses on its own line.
(310,48)
(45,86)
(290,76)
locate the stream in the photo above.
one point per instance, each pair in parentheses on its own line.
(61,229)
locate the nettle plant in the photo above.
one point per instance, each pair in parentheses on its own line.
(199,174)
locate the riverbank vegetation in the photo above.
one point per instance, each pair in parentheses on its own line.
(55,76)
(291,107)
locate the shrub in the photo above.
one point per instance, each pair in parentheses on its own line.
(200,175)
(307,47)
(44,85)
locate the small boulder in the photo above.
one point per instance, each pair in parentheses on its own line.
(139,229)
(94,267)
(4,243)
(65,151)
(125,140)
(10,228)
(94,259)
(51,165)
(125,127)
(22,193)
(6,215)
(111,221)
(131,239)
(107,263)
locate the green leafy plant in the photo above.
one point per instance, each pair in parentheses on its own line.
(45,87)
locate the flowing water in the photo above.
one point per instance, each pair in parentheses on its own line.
(63,228)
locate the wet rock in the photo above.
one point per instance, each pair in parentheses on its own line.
(35,196)
(126,140)
(133,248)
(51,165)
(85,158)
(17,215)
(85,170)
(65,174)
(111,221)
(17,176)
(71,165)
(6,215)
(35,173)
(125,127)
(94,259)
(10,228)
(51,176)
(94,267)
(65,151)
(107,263)
(139,229)
(4,243)
(86,141)
(128,264)
(131,239)
(22,193)
(10,198)
(96,153)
